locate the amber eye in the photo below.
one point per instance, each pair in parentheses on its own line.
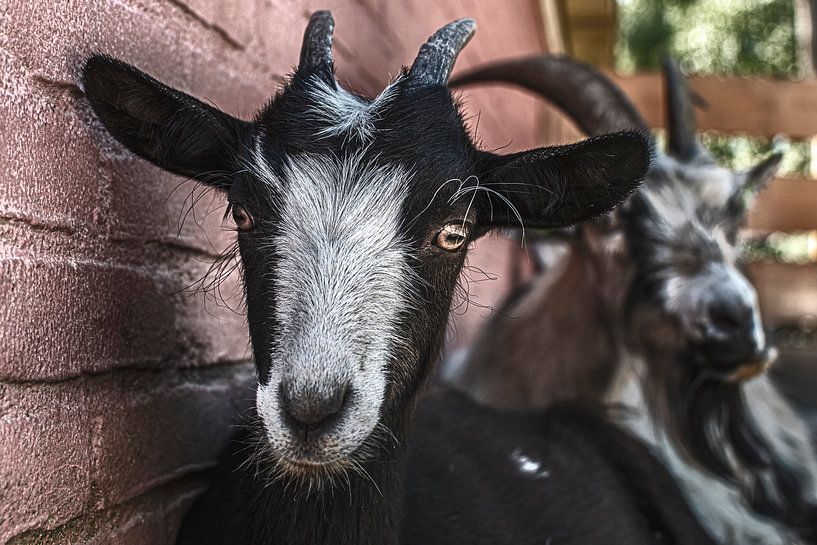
(243,220)
(452,236)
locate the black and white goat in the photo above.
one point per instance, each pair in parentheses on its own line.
(353,218)
(649,309)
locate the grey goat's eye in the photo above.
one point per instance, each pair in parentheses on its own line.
(452,237)
(243,220)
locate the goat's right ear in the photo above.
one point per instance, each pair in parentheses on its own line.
(563,185)
(167,127)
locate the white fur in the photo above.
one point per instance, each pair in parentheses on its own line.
(341,283)
(718,505)
(714,184)
(688,297)
(344,112)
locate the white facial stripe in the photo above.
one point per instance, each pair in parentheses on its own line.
(688,297)
(727,249)
(345,113)
(707,184)
(341,281)
(672,207)
(714,184)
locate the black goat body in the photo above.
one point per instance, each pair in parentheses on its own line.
(473,475)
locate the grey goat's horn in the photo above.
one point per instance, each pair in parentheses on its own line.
(316,50)
(594,102)
(682,141)
(436,58)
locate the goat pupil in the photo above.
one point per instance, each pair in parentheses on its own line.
(450,238)
(241,218)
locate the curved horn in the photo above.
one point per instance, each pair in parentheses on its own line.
(436,58)
(594,102)
(682,142)
(316,50)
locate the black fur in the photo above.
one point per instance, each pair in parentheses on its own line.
(594,483)
(463,484)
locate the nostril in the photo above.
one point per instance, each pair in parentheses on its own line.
(311,411)
(722,320)
(730,316)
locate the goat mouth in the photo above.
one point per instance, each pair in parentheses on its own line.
(754,368)
(308,465)
(732,363)
(314,459)
(311,469)
(749,368)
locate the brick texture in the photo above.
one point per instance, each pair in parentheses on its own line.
(119,379)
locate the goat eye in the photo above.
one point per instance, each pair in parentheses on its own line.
(452,237)
(243,220)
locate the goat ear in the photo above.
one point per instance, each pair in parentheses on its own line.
(562,185)
(758,177)
(167,127)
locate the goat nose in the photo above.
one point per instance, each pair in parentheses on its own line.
(730,318)
(311,411)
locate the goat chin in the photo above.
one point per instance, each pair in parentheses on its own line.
(754,369)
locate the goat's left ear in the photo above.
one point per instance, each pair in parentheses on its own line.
(758,177)
(562,185)
(169,128)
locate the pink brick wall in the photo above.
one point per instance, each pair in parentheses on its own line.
(117,388)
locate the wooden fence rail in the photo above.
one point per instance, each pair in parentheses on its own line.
(787,205)
(757,107)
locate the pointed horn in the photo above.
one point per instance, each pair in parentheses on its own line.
(436,58)
(594,102)
(316,50)
(682,140)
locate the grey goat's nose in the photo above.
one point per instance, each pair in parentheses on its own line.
(730,318)
(312,410)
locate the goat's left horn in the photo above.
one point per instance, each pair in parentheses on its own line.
(436,58)
(316,50)
(682,140)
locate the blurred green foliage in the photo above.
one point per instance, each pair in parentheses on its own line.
(724,37)
(729,37)
(742,152)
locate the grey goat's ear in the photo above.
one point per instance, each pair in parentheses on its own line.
(758,177)
(562,185)
(169,128)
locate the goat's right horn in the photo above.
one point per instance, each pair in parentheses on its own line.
(436,58)
(594,102)
(316,50)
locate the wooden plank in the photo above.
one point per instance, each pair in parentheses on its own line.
(554,22)
(591,8)
(593,45)
(788,204)
(787,292)
(754,106)
(592,30)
